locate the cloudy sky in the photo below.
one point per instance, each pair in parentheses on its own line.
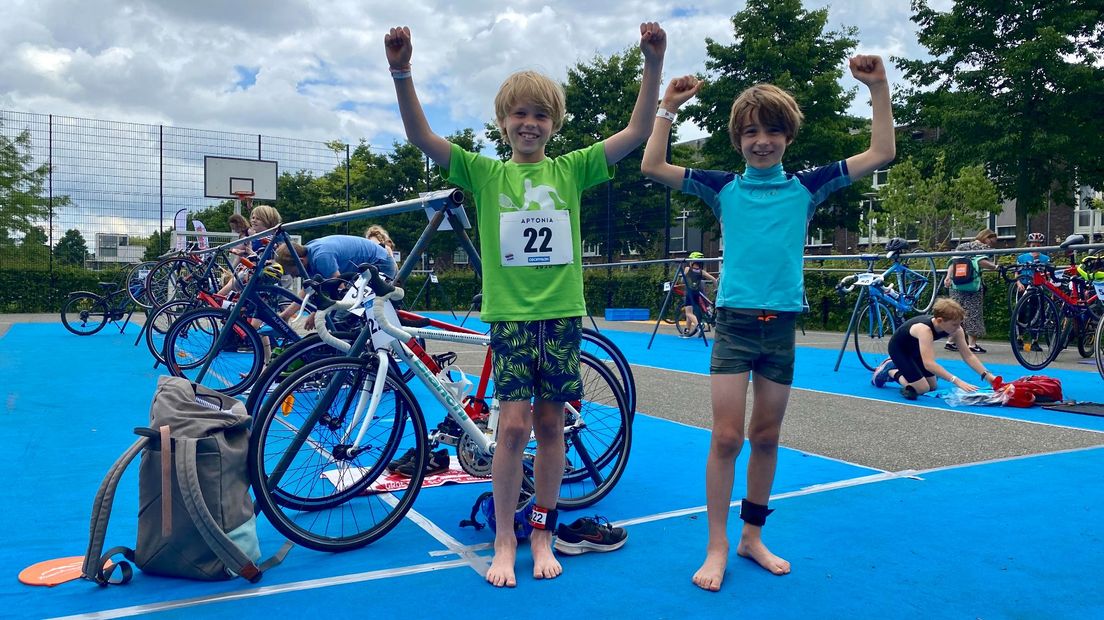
(316,69)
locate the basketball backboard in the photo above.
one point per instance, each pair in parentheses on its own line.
(226,177)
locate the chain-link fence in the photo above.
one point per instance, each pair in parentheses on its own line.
(95,193)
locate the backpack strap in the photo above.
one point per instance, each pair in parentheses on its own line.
(93,568)
(188,478)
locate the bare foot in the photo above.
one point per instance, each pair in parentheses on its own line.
(754,549)
(545,564)
(501,572)
(711,573)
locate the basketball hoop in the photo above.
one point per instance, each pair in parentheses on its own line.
(245,197)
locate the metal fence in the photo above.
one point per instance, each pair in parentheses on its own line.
(118,183)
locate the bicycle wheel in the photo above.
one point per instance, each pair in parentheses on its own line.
(1098,346)
(1086,336)
(1014,295)
(597,438)
(159,322)
(306,351)
(233,366)
(84,313)
(605,350)
(307,478)
(136,283)
(680,323)
(174,278)
(1034,331)
(873,330)
(921,283)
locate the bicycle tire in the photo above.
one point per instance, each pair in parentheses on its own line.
(921,292)
(1033,332)
(174,278)
(192,338)
(603,348)
(1098,346)
(874,328)
(680,323)
(306,350)
(598,451)
(84,313)
(160,321)
(302,503)
(1086,337)
(136,283)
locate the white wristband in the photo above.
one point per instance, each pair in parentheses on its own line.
(663,113)
(953,379)
(401,74)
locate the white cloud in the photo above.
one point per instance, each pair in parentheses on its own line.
(320,67)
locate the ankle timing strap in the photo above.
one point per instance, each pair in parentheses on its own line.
(752,513)
(542,518)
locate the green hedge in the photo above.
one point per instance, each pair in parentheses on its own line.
(34,290)
(42,290)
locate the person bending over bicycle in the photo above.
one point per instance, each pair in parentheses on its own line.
(693,274)
(329,256)
(911,362)
(1034,240)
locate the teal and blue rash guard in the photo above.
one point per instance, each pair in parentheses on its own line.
(764,217)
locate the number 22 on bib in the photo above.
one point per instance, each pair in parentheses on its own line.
(535,238)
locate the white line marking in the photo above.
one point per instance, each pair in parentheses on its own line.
(296,586)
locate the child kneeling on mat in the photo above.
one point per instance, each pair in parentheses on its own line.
(911,362)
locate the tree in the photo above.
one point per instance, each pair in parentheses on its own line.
(931,207)
(71,249)
(22,203)
(1014,85)
(779,42)
(36,236)
(158,244)
(600,96)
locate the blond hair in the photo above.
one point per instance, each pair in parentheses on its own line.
(379,234)
(535,88)
(770,106)
(285,258)
(948,310)
(268,216)
(985,234)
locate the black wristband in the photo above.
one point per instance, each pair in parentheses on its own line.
(983,375)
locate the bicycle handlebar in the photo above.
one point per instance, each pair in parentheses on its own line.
(848,283)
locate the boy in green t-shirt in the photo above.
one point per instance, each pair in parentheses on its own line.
(529,232)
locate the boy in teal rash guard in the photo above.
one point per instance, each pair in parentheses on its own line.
(764,213)
(529,233)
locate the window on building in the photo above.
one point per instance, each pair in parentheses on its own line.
(678,232)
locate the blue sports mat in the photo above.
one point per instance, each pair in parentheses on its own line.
(1016,538)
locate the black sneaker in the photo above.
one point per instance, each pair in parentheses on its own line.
(589,534)
(437,463)
(950,346)
(407,456)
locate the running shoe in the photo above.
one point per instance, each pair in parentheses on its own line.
(589,534)
(438,462)
(950,346)
(977,349)
(881,374)
(407,456)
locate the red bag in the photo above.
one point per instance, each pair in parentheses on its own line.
(1030,390)
(1013,396)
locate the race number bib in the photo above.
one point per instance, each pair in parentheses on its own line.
(535,238)
(363,297)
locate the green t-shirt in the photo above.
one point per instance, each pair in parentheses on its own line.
(529,293)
